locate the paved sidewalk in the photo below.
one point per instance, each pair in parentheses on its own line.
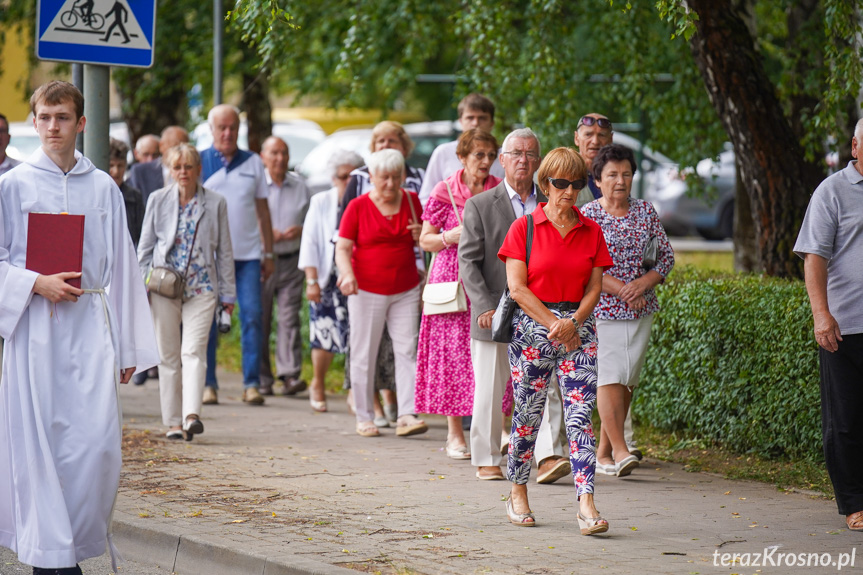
(280,489)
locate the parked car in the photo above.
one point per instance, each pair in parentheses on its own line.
(24,139)
(707,211)
(426,136)
(302,136)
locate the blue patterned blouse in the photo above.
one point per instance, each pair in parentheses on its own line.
(197,279)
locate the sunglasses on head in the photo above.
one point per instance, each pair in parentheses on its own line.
(562,184)
(590,120)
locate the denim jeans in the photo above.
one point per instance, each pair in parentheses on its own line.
(248,278)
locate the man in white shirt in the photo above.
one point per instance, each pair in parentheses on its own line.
(289,202)
(240,177)
(474,111)
(6,163)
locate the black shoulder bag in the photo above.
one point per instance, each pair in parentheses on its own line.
(501,322)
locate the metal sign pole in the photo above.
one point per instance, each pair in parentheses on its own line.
(218,28)
(78,80)
(96,85)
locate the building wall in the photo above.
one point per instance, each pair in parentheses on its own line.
(13,60)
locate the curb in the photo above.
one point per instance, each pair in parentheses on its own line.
(190,554)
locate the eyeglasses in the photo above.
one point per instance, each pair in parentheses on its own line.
(519,154)
(604,123)
(562,184)
(480,156)
(343,176)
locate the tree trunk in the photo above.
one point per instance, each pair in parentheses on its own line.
(256,103)
(745,248)
(773,168)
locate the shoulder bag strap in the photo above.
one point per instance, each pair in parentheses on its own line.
(452,199)
(529,238)
(407,198)
(192,247)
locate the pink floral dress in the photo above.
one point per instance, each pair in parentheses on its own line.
(444,378)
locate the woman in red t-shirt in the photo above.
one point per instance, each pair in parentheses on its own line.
(377,269)
(554,330)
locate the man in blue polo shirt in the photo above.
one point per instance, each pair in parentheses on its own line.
(239,176)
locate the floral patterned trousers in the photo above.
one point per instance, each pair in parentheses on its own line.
(533,359)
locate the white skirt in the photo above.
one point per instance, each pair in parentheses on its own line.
(621,346)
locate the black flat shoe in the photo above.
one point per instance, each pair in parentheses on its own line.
(192,426)
(76,570)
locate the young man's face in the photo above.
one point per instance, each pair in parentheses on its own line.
(473,118)
(58,126)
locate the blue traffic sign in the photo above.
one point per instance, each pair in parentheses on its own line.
(109,32)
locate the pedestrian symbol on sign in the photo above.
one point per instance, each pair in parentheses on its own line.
(83,22)
(120,15)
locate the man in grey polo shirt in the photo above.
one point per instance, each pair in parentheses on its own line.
(831,245)
(289,202)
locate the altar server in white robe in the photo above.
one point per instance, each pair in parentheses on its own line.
(67,349)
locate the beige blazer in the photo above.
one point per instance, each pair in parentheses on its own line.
(160,231)
(487,219)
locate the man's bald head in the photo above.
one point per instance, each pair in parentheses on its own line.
(172,136)
(275,155)
(147,148)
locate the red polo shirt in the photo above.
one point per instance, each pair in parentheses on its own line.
(383,257)
(559,267)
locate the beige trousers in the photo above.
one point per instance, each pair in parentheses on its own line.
(183,352)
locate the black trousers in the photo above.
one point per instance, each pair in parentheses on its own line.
(842,420)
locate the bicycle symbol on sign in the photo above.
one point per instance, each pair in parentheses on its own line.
(84,11)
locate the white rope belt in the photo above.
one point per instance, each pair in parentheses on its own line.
(101,292)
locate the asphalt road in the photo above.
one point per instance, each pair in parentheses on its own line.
(9,565)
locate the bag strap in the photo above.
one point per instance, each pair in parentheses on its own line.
(452,199)
(529,238)
(407,198)
(192,247)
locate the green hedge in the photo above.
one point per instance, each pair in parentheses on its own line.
(732,358)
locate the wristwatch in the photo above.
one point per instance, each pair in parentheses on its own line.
(268,255)
(574,321)
(311,281)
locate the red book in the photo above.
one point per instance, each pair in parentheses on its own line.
(55,244)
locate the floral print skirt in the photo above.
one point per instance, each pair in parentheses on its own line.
(328,320)
(533,359)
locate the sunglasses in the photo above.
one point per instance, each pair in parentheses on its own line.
(590,120)
(562,184)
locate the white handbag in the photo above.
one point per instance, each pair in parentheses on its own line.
(444,297)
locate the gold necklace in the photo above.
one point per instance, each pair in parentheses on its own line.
(552,221)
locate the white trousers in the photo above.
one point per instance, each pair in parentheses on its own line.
(367,313)
(184,352)
(491,373)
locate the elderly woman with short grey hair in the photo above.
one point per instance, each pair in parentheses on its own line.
(328,308)
(377,270)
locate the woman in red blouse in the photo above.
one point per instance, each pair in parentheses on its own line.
(377,269)
(554,330)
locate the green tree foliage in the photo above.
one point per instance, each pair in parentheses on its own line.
(546,62)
